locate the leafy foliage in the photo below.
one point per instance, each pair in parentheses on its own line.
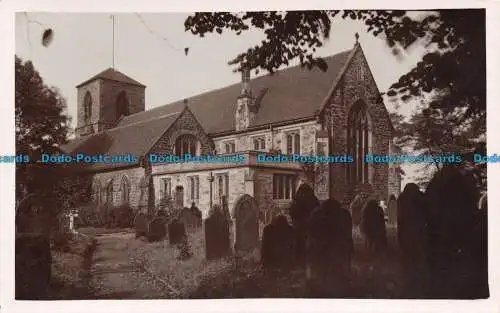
(42,127)
(455,66)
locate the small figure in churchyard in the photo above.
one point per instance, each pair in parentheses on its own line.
(454,259)
(141,225)
(217,241)
(373,227)
(412,238)
(302,206)
(329,249)
(197,212)
(278,245)
(176,232)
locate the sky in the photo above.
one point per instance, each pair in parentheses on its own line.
(149,47)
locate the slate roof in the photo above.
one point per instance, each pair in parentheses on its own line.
(136,139)
(291,94)
(114,75)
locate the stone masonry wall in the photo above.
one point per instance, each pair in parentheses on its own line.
(357,84)
(104,94)
(134,176)
(185,124)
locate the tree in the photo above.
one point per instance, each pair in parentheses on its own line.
(455,65)
(42,127)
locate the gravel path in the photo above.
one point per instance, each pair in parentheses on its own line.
(116,276)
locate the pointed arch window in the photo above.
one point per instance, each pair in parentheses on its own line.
(122,105)
(186,144)
(358,137)
(125,188)
(87,107)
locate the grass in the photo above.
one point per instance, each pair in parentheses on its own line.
(184,276)
(71,269)
(242,277)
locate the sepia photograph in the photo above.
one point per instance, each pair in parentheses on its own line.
(311,154)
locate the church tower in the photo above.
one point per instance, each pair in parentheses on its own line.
(104,99)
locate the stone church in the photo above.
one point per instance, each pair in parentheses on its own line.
(294,111)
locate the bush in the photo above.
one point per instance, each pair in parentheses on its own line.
(120,217)
(87,216)
(105,216)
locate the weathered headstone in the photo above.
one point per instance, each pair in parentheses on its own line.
(278,245)
(176,232)
(33,258)
(141,225)
(373,227)
(157,229)
(217,242)
(302,206)
(247,224)
(329,249)
(452,197)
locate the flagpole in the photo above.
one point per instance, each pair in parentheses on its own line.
(113,20)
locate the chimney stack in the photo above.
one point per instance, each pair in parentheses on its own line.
(245,80)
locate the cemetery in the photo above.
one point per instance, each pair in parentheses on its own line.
(316,250)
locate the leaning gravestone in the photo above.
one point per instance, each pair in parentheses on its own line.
(329,249)
(157,229)
(176,232)
(278,245)
(141,225)
(33,259)
(247,224)
(217,242)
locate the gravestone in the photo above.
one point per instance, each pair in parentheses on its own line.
(33,259)
(373,227)
(157,229)
(217,242)
(176,232)
(329,249)
(141,225)
(412,238)
(246,224)
(453,197)
(278,245)
(392,210)
(302,206)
